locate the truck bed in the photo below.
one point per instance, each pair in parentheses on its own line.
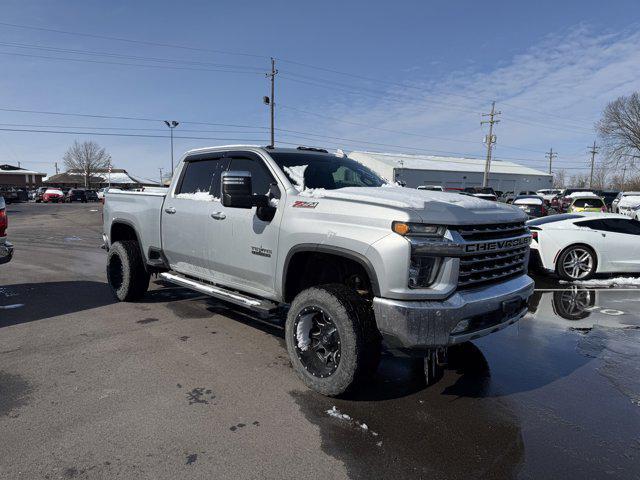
(141,210)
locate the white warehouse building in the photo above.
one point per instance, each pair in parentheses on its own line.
(452,172)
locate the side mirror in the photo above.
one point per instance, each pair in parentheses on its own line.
(237,191)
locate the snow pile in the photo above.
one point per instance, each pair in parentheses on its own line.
(296,174)
(630,201)
(199,196)
(610,282)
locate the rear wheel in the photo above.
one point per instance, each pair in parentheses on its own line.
(332,338)
(577,262)
(126,274)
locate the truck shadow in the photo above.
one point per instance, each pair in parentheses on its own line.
(28,302)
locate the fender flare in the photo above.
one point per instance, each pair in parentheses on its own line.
(333,250)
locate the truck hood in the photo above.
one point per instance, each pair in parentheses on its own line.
(433,207)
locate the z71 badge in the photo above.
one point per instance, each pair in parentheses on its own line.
(301,204)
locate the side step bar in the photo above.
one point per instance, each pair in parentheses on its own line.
(260,305)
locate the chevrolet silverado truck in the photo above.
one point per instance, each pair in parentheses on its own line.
(322,244)
(6,248)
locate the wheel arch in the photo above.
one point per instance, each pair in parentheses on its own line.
(294,257)
(125,230)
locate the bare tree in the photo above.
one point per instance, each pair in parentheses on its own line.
(87,158)
(619,130)
(580,180)
(560,179)
(601,176)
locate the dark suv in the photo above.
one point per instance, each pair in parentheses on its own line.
(91,195)
(76,195)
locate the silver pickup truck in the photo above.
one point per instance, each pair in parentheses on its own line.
(321,240)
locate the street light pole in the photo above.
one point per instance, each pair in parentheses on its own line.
(171,124)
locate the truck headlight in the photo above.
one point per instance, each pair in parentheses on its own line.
(418,229)
(423,270)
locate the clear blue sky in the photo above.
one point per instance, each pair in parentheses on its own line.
(434,67)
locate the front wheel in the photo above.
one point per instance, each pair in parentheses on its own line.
(126,274)
(332,338)
(577,262)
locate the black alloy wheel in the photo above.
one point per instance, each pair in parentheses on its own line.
(316,331)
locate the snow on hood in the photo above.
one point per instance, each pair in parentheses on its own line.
(441,207)
(629,201)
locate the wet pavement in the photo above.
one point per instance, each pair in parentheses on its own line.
(179,386)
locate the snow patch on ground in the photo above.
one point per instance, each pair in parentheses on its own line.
(608,282)
(93,210)
(335,413)
(73,238)
(199,196)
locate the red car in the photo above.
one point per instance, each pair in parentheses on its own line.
(6,249)
(53,195)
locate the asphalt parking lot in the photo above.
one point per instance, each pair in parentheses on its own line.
(180,386)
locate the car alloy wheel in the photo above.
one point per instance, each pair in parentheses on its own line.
(318,342)
(578,263)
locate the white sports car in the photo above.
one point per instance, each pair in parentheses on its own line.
(576,246)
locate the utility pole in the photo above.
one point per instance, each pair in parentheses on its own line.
(171,124)
(551,155)
(593,151)
(490,140)
(271,101)
(160,176)
(56,165)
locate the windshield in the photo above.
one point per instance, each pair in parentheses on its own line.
(308,170)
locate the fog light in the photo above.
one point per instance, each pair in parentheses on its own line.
(462,326)
(423,271)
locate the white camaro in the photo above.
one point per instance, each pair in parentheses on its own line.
(578,245)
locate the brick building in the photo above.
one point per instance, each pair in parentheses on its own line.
(11,176)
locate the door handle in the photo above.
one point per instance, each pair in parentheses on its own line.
(170,210)
(218,216)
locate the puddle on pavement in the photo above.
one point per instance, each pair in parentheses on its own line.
(554,396)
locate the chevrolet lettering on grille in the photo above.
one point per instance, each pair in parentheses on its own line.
(497,245)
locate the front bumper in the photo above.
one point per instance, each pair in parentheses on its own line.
(6,252)
(418,325)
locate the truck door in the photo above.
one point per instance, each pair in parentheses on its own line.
(187,240)
(250,250)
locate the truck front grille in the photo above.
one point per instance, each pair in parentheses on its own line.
(485,267)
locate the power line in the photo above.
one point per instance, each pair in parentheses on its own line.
(129,40)
(104,62)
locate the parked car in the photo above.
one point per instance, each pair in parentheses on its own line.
(39,193)
(586,203)
(568,195)
(351,258)
(620,196)
(487,190)
(91,195)
(549,194)
(53,195)
(532,205)
(6,248)
(576,246)
(10,194)
(76,195)
(628,205)
(608,196)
